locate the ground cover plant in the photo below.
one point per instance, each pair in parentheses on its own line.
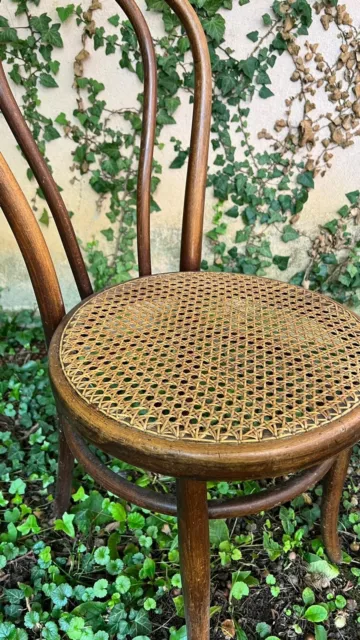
(110,570)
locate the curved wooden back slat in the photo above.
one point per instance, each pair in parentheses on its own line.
(22,133)
(200,134)
(148,132)
(34,250)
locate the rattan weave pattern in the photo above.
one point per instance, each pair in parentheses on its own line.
(214,357)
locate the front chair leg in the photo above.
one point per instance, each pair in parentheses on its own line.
(64,476)
(332,491)
(194,546)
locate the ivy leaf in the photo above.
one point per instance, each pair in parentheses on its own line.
(332,226)
(46,80)
(316,613)
(91,612)
(114,20)
(90,513)
(117,620)
(164,118)
(30,525)
(215,27)
(262,77)
(266,19)
(65,12)
(8,35)
(249,66)
(66,524)
(240,183)
(253,36)
(306,179)
(249,215)
(279,43)
(289,233)
(211,6)
(226,83)
(265,93)
(353,197)
(18,487)
(303,9)
(155,5)
(141,624)
(179,161)
(40,23)
(344,211)
(281,262)
(219,532)
(50,133)
(53,36)
(233,212)
(183,44)
(171,104)
(14,596)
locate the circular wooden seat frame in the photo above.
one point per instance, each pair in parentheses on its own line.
(321,453)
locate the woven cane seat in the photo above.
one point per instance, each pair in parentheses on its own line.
(213,357)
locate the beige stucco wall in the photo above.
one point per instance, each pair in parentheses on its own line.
(121,91)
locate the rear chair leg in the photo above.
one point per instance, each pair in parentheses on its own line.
(332,491)
(194,545)
(64,476)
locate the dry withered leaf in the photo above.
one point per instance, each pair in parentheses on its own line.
(325,21)
(356,108)
(228,628)
(307,135)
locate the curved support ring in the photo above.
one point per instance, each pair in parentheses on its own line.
(161,503)
(269,498)
(142,497)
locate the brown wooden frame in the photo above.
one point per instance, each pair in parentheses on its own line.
(322,453)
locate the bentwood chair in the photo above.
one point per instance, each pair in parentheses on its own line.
(201,376)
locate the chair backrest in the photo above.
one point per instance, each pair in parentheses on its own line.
(197,165)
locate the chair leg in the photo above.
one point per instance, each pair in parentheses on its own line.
(64,477)
(332,491)
(194,545)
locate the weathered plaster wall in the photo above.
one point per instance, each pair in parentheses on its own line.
(121,91)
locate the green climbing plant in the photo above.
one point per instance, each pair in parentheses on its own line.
(258,195)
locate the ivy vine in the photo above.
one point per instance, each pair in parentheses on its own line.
(259,195)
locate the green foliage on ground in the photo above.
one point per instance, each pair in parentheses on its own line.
(110,570)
